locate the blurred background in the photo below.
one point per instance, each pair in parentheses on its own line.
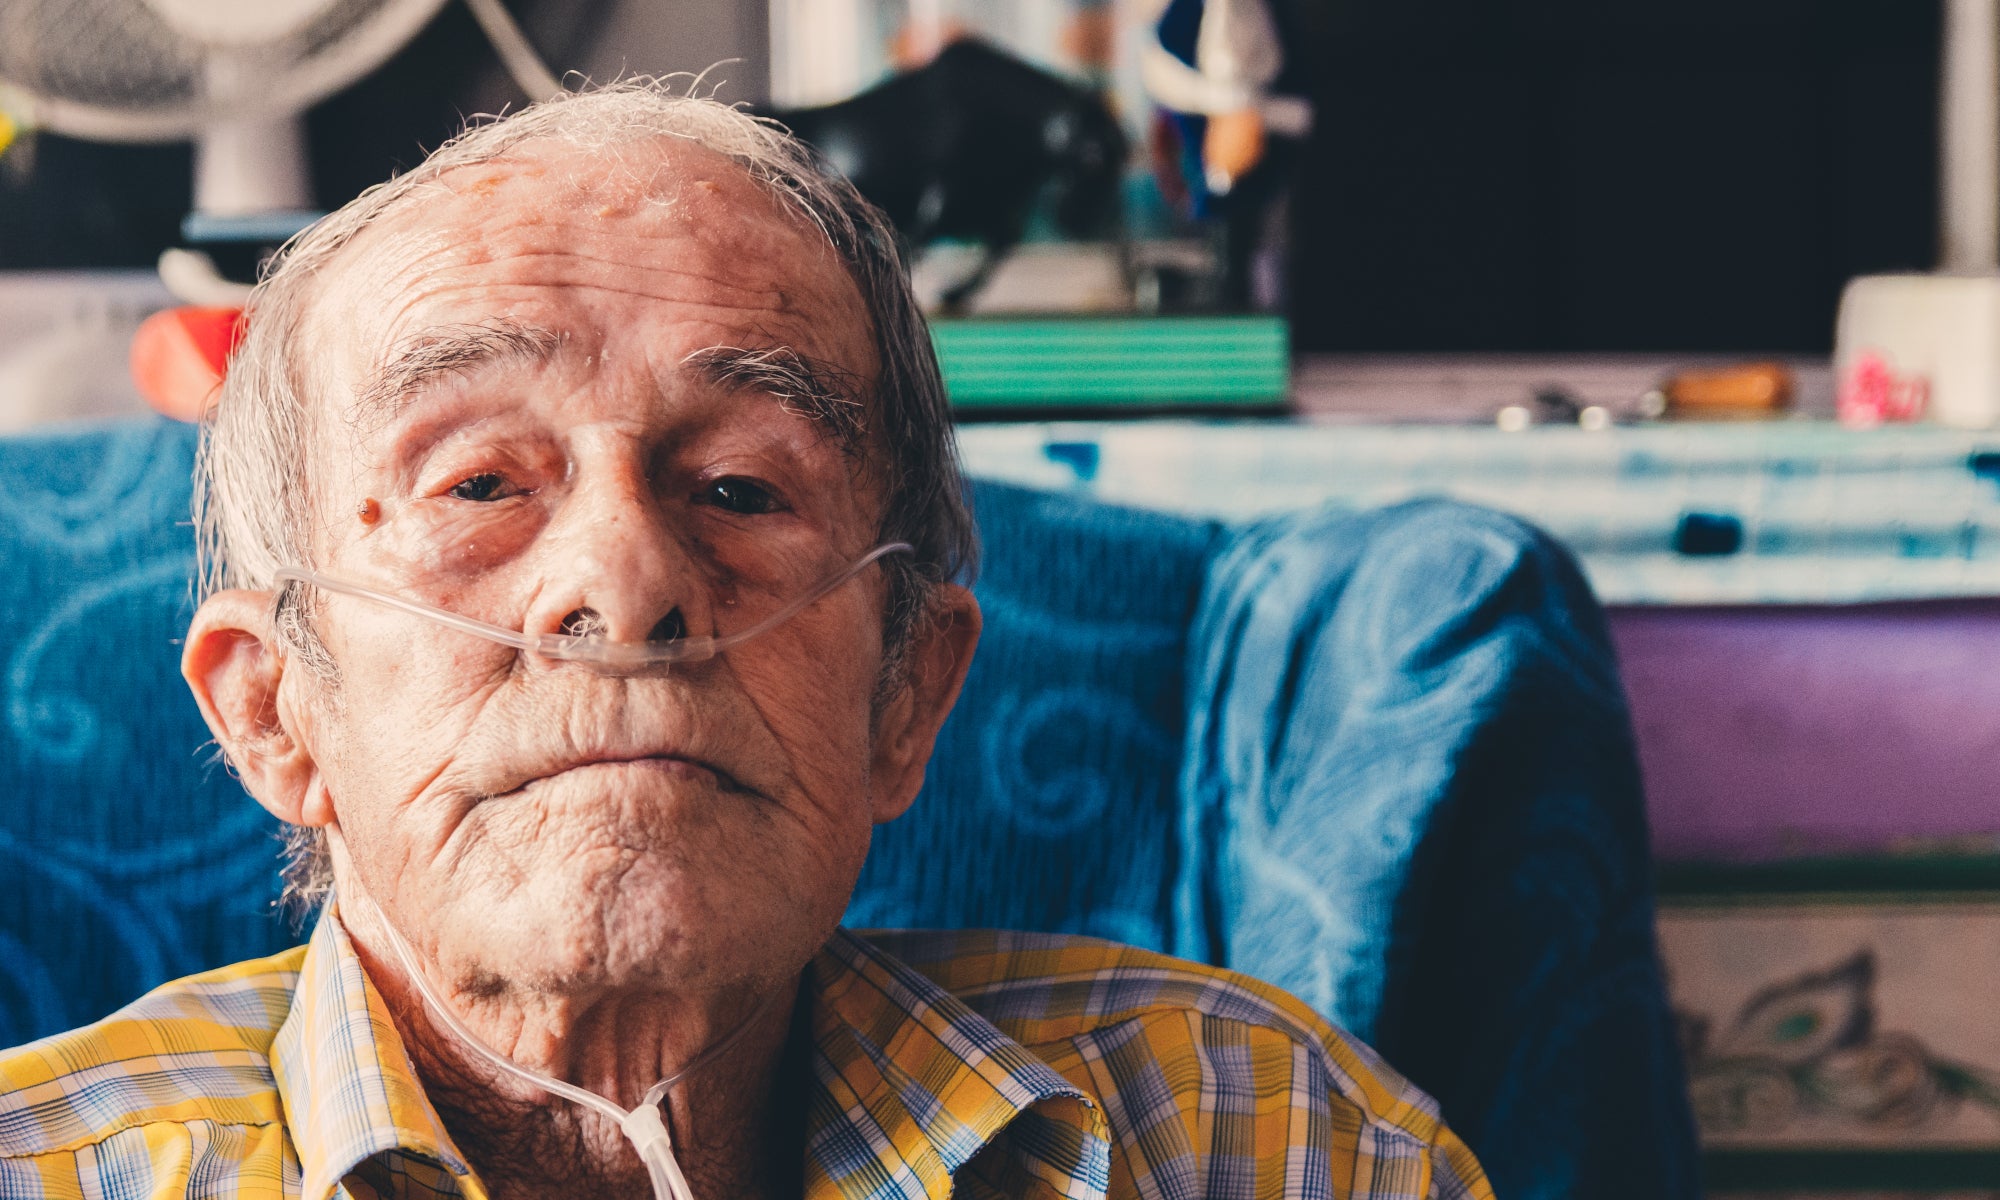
(1552,177)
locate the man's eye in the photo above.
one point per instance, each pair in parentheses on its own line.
(741,496)
(481,487)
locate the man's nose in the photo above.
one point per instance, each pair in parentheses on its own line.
(614,568)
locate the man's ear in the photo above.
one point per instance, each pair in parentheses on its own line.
(939,654)
(234,667)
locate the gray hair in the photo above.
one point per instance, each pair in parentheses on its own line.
(255,511)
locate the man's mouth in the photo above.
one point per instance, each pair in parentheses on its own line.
(667,765)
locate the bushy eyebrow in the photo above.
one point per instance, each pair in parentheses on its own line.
(808,387)
(448,350)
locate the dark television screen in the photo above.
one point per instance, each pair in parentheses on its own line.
(1570,175)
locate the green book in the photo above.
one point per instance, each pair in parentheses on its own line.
(1004,363)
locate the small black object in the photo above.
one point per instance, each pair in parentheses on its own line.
(967,145)
(1708,535)
(1555,403)
(1984,463)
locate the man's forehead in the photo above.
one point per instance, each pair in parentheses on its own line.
(658,174)
(660,218)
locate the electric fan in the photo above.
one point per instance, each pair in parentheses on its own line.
(233,76)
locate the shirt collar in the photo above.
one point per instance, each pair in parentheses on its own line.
(913,1085)
(347,1084)
(909,1085)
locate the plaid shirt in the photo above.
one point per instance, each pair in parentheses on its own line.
(975,1064)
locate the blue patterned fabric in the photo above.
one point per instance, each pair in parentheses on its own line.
(1381,759)
(1070,727)
(128,856)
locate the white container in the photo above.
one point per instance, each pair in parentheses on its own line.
(1938,336)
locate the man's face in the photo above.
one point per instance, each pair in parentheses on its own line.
(524,429)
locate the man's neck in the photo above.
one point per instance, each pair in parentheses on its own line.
(738,1131)
(737,1121)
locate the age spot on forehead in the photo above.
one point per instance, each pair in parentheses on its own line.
(485,186)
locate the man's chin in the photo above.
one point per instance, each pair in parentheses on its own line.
(633,928)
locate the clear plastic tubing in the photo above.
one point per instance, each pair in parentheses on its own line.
(644,1126)
(595,650)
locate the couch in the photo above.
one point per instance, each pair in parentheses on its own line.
(1380,758)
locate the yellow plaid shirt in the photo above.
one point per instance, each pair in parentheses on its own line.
(975,1064)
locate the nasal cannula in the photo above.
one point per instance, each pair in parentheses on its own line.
(643,1126)
(594,650)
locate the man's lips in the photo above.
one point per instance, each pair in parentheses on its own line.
(681,765)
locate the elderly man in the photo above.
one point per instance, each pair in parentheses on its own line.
(583,530)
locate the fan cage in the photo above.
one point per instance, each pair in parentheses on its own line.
(112,70)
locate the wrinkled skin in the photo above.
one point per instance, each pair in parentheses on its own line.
(604,873)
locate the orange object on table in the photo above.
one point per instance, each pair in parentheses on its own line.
(179,357)
(1752,389)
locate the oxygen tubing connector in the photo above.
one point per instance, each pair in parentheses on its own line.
(645,1126)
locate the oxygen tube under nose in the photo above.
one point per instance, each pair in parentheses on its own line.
(643,1126)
